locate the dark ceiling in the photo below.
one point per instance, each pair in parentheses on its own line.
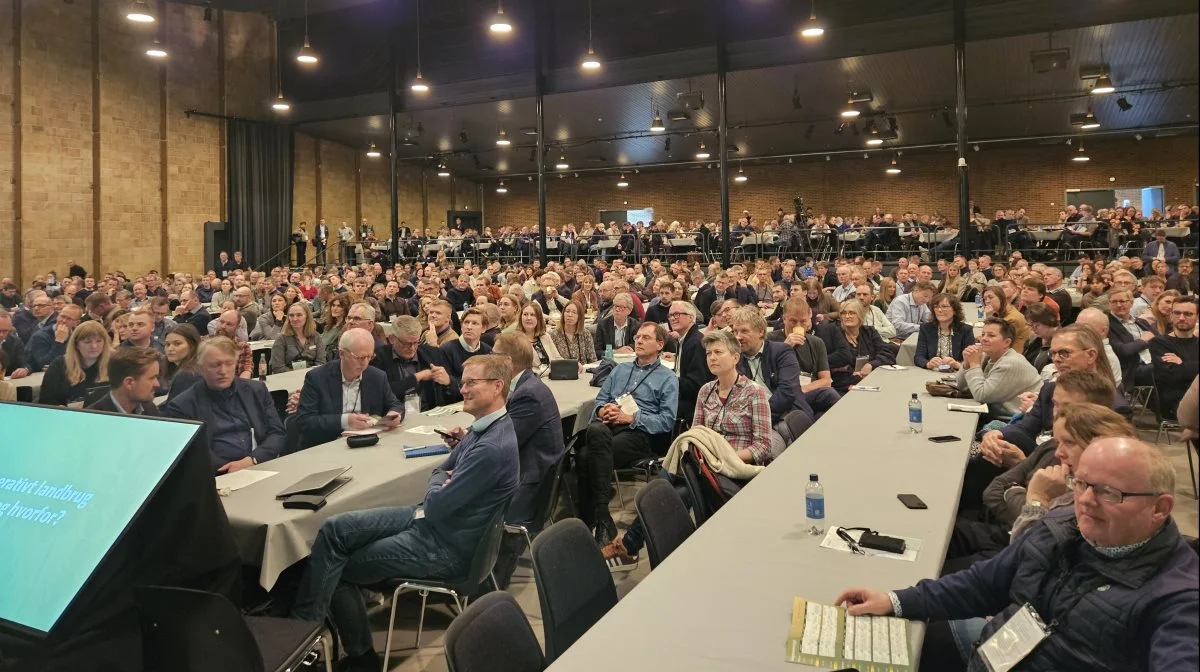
(784,93)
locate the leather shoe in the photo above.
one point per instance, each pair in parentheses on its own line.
(606,531)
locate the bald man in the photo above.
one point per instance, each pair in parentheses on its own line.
(1097,321)
(1122,579)
(346,393)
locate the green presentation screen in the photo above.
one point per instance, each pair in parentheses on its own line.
(71,482)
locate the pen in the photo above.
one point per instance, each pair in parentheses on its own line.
(854,547)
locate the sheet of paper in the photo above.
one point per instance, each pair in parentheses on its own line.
(832,541)
(362,432)
(237,480)
(827,636)
(426,430)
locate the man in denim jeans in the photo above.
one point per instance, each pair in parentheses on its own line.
(434,540)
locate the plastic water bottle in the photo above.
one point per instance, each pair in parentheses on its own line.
(608,352)
(979,305)
(914,414)
(814,505)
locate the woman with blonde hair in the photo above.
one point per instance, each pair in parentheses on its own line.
(995,304)
(533,325)
(887,292)
(118,325)
(572,338)
(1159,315)
(298,341)
(510,311)
(85,365)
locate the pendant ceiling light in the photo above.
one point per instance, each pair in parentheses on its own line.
(562,162)
(139,12)
(500,24)
(306,55)
(501,189)
(657,126)
(1103,85)
(442,170)
(1089,122)
(812,28)
(156,50)
(1080,155)
(502,140)
(622,182)
(590,61)
(893,169)
(702,153)
(740,177)
(373,152)
(279,104)
(850,112)
(419,84)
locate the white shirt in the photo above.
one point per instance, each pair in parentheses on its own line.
(351,399)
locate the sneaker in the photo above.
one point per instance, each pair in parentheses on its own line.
(617,558)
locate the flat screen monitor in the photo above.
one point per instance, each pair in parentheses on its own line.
(71,484)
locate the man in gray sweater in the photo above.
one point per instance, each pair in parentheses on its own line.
(996,374)
(433,540)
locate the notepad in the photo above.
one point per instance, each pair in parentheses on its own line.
(824,635)
(426,451)
(236,480)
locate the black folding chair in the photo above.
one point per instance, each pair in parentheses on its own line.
(574,585)
(459,589)
(547,496)
(198,631)
(665,518)
(493,635)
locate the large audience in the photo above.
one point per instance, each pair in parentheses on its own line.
(742,359)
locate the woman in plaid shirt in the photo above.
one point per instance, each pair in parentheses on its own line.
(733,405)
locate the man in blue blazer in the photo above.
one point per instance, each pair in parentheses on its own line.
(536,422)
(346,393)
(242,424)
(775,366)
(1161,248)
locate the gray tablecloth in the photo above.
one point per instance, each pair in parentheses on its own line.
(274,538)
(722,601)
(33,381)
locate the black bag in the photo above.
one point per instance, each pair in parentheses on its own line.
(601,372)
(564,369)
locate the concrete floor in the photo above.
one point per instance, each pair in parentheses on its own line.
(429,656)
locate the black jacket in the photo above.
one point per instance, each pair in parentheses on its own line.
(1024,431)
(1127,348)
(195,403)
(106,404)
(870,345)
(781,373)
(404,383)
(837,348)
(606,333)
(15,350)
(319,414)
(536,422)
(692,365)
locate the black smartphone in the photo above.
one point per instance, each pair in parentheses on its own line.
(945,438)
(911,501)
(445,435)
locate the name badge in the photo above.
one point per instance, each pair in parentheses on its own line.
(1014,641)
(412,406)
(805,378)
(627,404)
(300,365)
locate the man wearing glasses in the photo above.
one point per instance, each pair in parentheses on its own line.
(37,313)
(1176,356)
(691,363)
(1112,579)
(346,394)
(433,540)
(413,368)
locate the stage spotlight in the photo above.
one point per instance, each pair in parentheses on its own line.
(1124,104)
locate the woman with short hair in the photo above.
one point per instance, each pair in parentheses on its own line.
(533,325)
(941,340)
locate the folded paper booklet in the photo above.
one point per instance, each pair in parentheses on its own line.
(823,635)
(966,407)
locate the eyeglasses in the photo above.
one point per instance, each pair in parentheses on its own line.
(471,382)
(356,318)
(1104,493)
(1062,354)
(1180,313)
(362,359)
(676,314)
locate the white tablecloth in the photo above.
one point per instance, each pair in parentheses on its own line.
(722,601)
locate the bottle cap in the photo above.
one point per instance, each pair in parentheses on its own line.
(812,477)
(914,395)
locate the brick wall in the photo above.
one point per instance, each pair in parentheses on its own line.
(1033,178)
(92,184)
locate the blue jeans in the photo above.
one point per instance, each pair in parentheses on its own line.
(966,632)
(363,548)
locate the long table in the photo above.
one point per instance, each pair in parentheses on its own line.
(274,538)
(722,601)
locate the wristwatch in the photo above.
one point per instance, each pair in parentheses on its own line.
(253,459)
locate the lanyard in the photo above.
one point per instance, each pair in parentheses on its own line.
(640,382)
